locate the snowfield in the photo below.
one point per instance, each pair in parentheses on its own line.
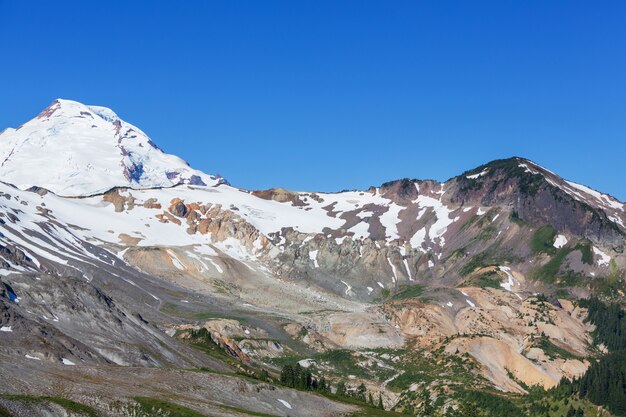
(88,150)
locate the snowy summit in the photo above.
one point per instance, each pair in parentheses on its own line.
(73,149)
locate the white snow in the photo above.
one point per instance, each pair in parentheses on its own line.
(602,199)
(305,363)
(480,174)
(604,258)
(394,278)
(6,329)
(390,220)
(27,356)
(348,287)
(175,260)
(67,362)
(511,281)
(370,290)
(285,403)
(470,303)
(560,241)
(408,270)
(380,284)
(313,257)
(449,304)
(87,150)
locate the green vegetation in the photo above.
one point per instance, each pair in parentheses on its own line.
(4,412)
(69,405)
(152,406)
(485,259)
(542,240)
(551,350)
(549,272)
(516,219)
(343,362)
(610,322)
(604,382)
(412,291)
(295,376)
(495,404)
(201,340)
(552,272)
(489,279)
(488,233)
(479,261)
(188,314)
(584,246)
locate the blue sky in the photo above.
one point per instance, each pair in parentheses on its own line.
(319,95)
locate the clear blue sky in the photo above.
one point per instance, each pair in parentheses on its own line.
(319,95)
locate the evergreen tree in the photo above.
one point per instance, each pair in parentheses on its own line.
(469,409)
(341,389)
(361,392)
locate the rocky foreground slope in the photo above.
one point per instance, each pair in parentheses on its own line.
(114,247)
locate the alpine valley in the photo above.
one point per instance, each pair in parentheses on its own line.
(134,285)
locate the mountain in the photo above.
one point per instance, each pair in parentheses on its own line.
(88,150)
(117,256)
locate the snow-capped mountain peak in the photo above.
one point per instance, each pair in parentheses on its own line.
(73,149)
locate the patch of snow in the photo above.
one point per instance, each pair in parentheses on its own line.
(480,174)
(313,257)
(348,287)
(6,329)
(380,284)
(305,363)
(511,281)
(370,290)
(67,361)
(27,356)
(604,258)
(470,303)
(175,260)
(449,304)
(560,241)
(285,403)
(603,199)
(394,278)
(617,220)
(408,270)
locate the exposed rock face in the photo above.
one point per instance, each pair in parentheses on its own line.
(281,195)
(502,332)
(539,197)
(178,208)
